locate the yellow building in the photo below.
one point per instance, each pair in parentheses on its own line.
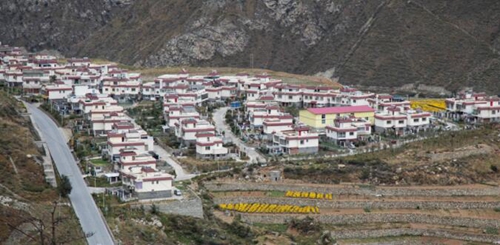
(321,117)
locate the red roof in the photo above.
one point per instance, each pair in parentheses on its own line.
(340,110)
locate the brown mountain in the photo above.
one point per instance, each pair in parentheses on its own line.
(388,43)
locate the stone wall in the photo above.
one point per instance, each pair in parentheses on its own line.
(355,190)
(154,194)
(363,234)
(350,219)
(187,207)
(363,204)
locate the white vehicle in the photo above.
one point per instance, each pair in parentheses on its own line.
(177,193)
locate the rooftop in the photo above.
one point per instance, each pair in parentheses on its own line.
(339,110)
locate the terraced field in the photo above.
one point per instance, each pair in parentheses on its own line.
(359,215)
(432,105)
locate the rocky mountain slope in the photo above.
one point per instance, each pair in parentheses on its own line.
(54,24)
(388,43)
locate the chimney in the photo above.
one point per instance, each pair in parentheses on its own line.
(491,102)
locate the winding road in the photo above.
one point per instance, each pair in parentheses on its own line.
(219,118)
(85,208)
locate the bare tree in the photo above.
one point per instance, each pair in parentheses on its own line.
(44,225)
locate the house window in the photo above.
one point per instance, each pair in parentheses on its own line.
(351,133)
(415,120)
(289,97)
(323,118)
(207,148)
(389,122)
(425,118)
(353,101)
(401,122)
(302,142)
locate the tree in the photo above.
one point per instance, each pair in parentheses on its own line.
(64,187)
(47,225)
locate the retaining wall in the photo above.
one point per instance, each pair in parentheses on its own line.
(364,234)
(362,204)
(378,218)
(188,207)
(343,190)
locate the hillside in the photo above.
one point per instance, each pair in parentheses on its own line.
(25,197)
(379,43)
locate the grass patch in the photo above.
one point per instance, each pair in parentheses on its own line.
(275,193)
(491,230)
(99,162)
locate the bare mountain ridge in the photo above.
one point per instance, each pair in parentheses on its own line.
(386,43)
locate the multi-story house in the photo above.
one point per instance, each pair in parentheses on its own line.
(402,120)
(300,140)
(319,118)
(175,113)
(276,125)
(57,91)
(187,129)
(209,146)
(138,173)
(345,130)
(288,95)
(125,136)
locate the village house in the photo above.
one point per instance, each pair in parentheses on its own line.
(221,93)
(401,120)
(56,91)
(121,83)
(300,140)
(258,115)
(288,95)
(209,146)
(187,129)
(473,107)
(175,113)
(318,96)
(104,123)
(139,174)
(124,135)
(275,125)
(346,130)
(319,118)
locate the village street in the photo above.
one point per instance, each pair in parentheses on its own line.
(219,116)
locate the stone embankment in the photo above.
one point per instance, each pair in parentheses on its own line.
(351,219)
(363,204)
(355,190)
(187,207)
(366,234)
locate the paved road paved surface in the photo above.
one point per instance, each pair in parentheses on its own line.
(219,118)
(83,204)
(179,172)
